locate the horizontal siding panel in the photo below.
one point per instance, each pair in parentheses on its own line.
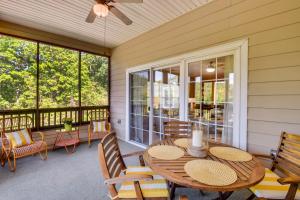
(281,102)
(260,12)
(278,74)
(272,128)
(198,27)
(221,37)
(280,33)
(274,61)
(234,32)
(259,149)
(260,139)
(278,47)
(275,88)
(274,115)
(272,27)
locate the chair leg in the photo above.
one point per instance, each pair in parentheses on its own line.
(251,197)
(2,159)
(172,190)
(12,164)
(44,155)
(89,142)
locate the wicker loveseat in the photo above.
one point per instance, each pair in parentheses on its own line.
(11,153)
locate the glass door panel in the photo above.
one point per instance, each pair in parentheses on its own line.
(139,106)
(210,96)
(166,104)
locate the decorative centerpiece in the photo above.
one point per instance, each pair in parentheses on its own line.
(68,124)
(198,142)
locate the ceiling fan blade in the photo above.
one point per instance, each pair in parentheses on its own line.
(128,1)
(120,15)
(91,17)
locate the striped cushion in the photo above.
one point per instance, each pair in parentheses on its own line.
(154,188)
(270,188)
(19,138)
(99,126)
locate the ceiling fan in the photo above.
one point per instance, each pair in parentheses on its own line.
(102,7)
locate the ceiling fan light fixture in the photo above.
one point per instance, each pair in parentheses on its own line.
(101,10)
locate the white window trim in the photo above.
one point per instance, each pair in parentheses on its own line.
(240,48)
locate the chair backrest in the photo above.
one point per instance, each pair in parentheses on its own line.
(287,159)
(110,159)
(177,129)
(96,115)
(10,124)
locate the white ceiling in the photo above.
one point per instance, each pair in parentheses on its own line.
(67,17)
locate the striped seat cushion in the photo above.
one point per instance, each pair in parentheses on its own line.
(154,188)
(19,138)
(99,126)
(270,188)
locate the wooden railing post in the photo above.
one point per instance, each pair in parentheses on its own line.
(37,113)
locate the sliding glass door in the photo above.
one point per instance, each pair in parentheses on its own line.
(201,87)
(210,96)
(166,98)
(139,106)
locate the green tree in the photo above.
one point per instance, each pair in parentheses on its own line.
(58,80)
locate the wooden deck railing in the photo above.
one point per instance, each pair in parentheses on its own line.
(47,118)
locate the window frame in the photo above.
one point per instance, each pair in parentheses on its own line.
(79,51)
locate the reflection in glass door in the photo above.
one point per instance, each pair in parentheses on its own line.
(210,93)
(166,97)
(139,103)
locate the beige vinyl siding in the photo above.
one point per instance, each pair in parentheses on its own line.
(273,30)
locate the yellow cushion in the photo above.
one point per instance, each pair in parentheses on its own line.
(99,126)
(154,188)
(19,138)
(270,188)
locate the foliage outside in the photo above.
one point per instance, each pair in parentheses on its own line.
(58,77)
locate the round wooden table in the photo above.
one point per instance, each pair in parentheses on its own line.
(249,173)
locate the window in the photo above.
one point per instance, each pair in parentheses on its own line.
(58,83)
(17,73)
(94,80)
(58,76)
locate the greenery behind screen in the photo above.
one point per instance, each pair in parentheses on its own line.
(58,77)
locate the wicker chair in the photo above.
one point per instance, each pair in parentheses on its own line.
(10,154)
(112,166)
(286,161)
(92,135)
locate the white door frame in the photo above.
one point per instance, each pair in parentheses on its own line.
(240,49)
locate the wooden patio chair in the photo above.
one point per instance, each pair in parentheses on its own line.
(93,132)
(282,181)
(135,180)
(16,125)
(177,129)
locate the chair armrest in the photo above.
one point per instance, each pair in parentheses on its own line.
(41,134)
(121,179)
(289,180)
(263,156)
(137,153)
(6,145)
